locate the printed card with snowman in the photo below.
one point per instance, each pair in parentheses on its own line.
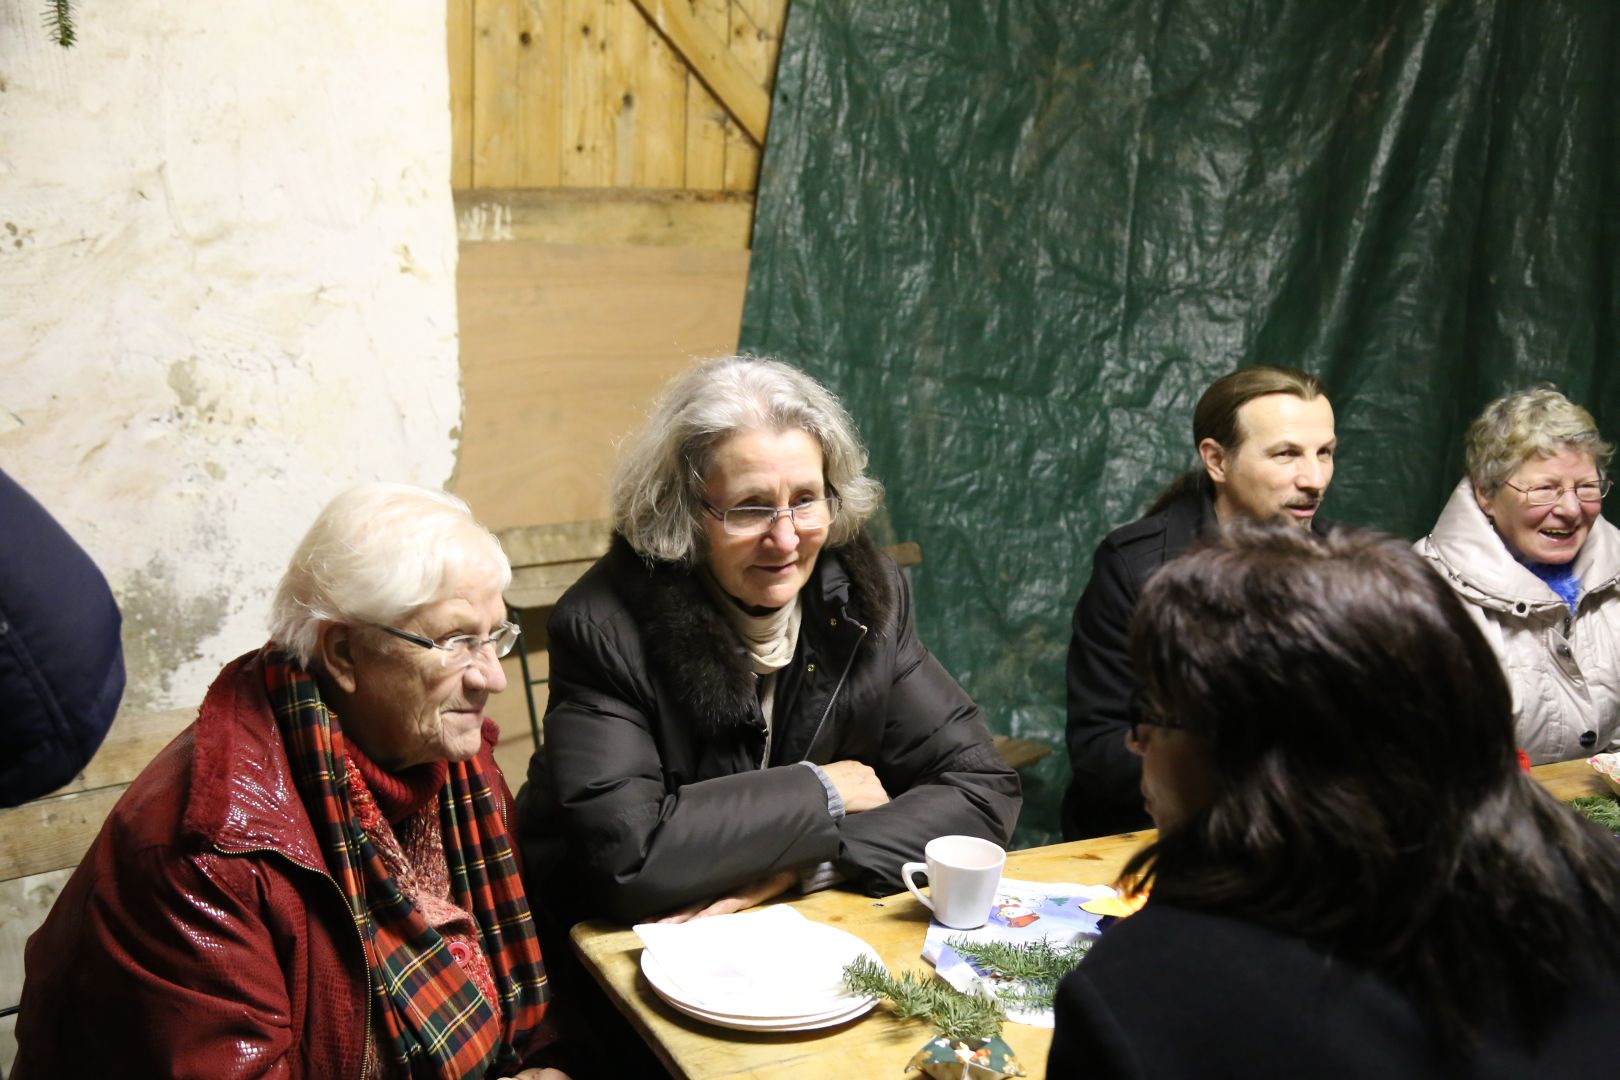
(1023,911)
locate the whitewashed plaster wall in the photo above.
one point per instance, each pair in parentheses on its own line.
(227,292)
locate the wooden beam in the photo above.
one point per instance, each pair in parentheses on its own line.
(569,541)
(603,217)
(542,586)
(706,53)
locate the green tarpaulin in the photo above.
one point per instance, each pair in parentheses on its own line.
(1019,238)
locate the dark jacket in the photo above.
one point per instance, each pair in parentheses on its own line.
(202,935)
(1104,796)
(61,663)
(648,790)
(1175,993)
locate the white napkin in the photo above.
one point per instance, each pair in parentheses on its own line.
(768,962)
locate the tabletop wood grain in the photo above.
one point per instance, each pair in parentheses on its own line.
(876,1044)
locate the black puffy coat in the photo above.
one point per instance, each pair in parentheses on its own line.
(648,793)
(61,661)
(1104,796)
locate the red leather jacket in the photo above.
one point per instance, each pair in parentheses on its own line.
(202,936)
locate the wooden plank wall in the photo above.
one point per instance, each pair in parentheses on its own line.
(588,93)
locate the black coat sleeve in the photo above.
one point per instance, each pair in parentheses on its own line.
(938,764)
(645,848)
(61,661)
(1101,688)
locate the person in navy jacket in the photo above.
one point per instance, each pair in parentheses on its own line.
(61,660)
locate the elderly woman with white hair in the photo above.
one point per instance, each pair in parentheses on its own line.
(315,878)
(739,704)
(1524,542)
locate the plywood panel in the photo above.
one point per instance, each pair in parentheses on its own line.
(562,350)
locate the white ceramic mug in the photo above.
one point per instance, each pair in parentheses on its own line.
(963,872)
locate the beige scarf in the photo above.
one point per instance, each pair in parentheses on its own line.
(770,640)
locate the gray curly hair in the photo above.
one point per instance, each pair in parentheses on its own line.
(657,491)
(1538,422)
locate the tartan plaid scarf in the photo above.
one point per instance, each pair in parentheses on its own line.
(433,1020)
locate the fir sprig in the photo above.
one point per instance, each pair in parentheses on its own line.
(959,1017)
(1603,809)
(1035,967)
(1032,961)
(59,22)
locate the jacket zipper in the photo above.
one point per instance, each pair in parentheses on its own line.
(365,1060)
(826,712)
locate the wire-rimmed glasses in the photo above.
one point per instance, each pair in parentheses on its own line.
(808,516)
(461,650)
(1588,491)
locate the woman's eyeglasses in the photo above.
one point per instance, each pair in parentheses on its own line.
(1590,491)
(808,516)
(461,650)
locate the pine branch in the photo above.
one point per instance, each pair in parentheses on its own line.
(1035,967)
(957,1016)
(1028,997)
(1034,961)
(59,22)
(1603,809)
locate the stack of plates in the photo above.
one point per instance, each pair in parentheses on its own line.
(770,970)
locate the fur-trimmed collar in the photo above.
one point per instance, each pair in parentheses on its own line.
(692,649)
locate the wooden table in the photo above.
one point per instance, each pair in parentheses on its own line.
(877,1044)
(1567,780)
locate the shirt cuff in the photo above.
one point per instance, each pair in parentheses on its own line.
(821,876)
(835,801)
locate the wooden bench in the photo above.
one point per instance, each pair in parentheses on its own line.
(42,841)
(547,559)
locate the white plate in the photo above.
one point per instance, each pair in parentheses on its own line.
(796,973)
(832,1018)
(847,1008)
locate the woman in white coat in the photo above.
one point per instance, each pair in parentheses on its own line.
(1523,541)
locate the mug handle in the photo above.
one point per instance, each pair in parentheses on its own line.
(906,873)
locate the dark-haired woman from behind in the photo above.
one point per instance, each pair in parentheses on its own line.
(1353,877)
